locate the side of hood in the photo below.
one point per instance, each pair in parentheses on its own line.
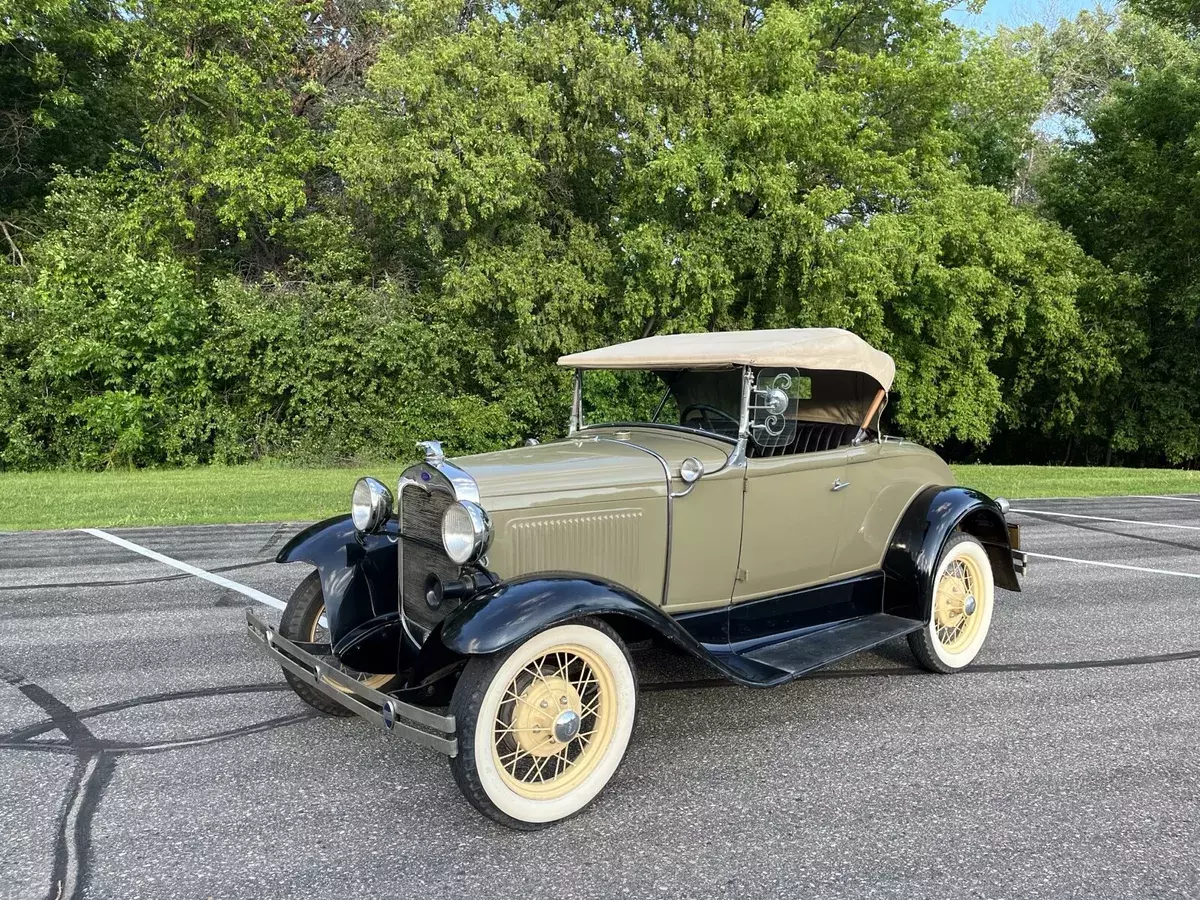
(600,462)
(560,471)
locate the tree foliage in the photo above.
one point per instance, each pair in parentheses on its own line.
(333,229)
(1130,194)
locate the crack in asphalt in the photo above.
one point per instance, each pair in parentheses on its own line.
(96,758)
(96,763)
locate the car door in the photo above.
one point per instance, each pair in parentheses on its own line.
(791,521)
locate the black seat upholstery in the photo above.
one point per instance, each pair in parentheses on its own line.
(812,437)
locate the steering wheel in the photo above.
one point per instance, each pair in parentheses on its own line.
(703,413)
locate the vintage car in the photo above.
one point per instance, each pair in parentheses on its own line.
(767,529)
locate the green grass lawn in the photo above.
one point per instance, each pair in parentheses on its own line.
(277,493)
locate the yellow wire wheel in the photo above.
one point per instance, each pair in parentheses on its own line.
(319,634)
(961,607)
(554,722)
(542,730)
(301,621)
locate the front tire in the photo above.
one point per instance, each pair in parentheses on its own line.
(543,727)
(964,594)
(301,621)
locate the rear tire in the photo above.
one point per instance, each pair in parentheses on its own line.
(301,622)
(964,594)
(543,727)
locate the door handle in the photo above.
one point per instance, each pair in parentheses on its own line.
(839,484)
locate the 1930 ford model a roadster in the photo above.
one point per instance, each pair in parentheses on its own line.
(768,530)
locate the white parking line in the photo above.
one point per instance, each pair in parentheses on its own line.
(224,582)
(1049,512)
(1165,497)
(1108,565)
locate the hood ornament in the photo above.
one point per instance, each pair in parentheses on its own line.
(434,455)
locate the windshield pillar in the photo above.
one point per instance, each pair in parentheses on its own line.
(576,421)
(738,455)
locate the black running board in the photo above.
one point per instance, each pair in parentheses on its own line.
(799,655)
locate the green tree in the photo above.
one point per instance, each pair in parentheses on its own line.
(64,100)
(338,227)
(1123,183)
(564,177)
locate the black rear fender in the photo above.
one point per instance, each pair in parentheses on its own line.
(931,518)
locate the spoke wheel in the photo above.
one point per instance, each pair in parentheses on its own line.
(301,621)
(543,727)
(319,634)
(960,608)
(956,608)
(554,722)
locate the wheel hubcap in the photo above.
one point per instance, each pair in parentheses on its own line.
(566,726)
(538,711)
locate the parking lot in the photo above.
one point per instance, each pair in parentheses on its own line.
(148,749)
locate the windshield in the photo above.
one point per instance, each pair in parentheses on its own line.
(701,400)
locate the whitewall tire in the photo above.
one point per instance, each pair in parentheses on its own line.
(964,594)
(543,727)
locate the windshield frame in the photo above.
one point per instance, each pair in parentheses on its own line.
(739,443)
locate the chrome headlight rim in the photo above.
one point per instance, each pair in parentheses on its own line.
(472,534)
(370,504)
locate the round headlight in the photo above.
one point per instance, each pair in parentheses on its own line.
(370,504)
(466,531)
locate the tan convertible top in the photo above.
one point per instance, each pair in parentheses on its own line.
(799,348)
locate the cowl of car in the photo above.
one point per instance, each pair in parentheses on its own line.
(754,517)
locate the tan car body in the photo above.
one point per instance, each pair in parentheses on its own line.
(609,502)
(770,533)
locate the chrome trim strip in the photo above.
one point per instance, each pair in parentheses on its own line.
(738,456)
(670,504)
(374,706)
(663,426)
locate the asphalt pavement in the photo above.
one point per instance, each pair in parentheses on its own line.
(149,750)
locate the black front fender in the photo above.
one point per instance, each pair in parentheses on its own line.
(359,575)
(912,556)
(499,617)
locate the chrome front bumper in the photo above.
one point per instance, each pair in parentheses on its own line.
(413,722)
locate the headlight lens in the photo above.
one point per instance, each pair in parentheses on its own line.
(370,504)
(466,531)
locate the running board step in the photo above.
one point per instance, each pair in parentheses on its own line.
(820,648)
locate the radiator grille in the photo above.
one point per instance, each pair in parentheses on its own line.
(421,553)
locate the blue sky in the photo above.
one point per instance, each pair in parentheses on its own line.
(1021,12)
